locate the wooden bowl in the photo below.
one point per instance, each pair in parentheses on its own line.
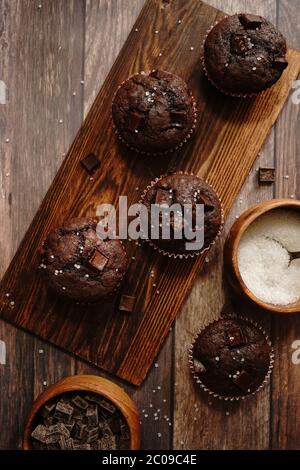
(89,383)
(231,248)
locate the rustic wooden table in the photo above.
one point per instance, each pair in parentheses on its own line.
(54,56)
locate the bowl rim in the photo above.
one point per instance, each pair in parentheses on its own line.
(86,382)
(246,219)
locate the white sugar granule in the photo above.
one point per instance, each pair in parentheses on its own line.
(264,263)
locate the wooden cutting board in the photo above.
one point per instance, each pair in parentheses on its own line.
(229,135)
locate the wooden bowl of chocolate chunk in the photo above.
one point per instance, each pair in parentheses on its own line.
(83,412)
(262,255)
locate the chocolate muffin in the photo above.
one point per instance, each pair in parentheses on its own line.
(76,263)
(154,112)
(244,54)
(183,189)
(231,358)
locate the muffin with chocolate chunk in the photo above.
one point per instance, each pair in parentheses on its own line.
(244,54)
(179,199)
(154,112)
(231,358)
(75,262)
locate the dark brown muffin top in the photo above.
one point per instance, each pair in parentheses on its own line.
(154,112)
(78,264)
(231,357)
(245,54)
(185,189)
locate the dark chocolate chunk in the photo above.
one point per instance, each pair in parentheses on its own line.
(105,429)
(92,415)
(80,402)
(81,426)
(62,443)
(63,411)
(92,435)
(235,337)
(127,303)
(90,163)
(178,117)
(107,443)
(266,175)
(250,21)
(79,430)
(58,428)
(39,433)
(134,121)
(98,261)
(91,431)
(70,425)
(243,380)
(53,438)
(280,63)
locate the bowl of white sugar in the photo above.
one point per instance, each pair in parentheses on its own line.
(262,255)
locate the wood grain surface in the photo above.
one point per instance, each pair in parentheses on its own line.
(123,344)
(34,54)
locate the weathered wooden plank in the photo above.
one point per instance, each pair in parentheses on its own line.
(246,425)
(107,26)
(127,345)
(41,62)
(286,377)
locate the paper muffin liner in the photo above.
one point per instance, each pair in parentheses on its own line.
(88,302)
(225,92)
(166,152)
(213,394)
(193,253)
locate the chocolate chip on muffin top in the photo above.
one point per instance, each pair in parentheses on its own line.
(231,357)
(184,189)
(244,54)
(78,264)
(154,112)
